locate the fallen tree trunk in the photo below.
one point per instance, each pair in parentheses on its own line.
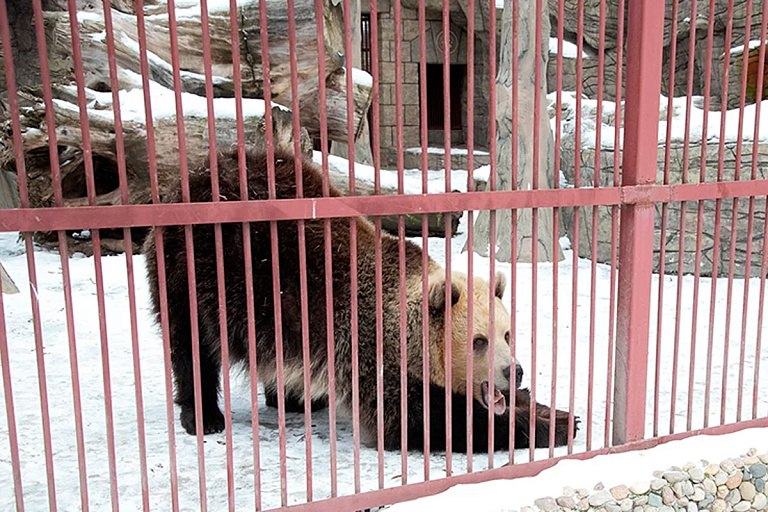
(189,35)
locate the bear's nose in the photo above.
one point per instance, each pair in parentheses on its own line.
(519,375)
(507,372)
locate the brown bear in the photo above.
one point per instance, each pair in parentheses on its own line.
(180,328)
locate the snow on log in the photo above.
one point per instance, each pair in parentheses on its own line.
(189,33)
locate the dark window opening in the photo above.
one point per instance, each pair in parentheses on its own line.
(435,104)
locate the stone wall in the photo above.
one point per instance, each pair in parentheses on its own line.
(411,39)
(672,235)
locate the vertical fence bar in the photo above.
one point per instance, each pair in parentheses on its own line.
(734,212)
(513,220)
(155,195)
(614,222)
(556,215)
(596,184)
(303,287)
(492,217)
(53,155)
(699,222)
(753,175)
(376,149)
(664,216)
(576,214)
(128,245)
(13,107)
(646,29)
(470,220)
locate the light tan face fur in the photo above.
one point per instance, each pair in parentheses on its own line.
(464,343)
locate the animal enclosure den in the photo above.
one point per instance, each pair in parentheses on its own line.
(353,254)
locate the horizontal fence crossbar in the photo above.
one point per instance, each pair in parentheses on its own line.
(101,217)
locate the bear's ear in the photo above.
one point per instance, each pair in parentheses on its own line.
(437,295)
(501,284)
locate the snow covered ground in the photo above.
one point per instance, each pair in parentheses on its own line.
(18,324)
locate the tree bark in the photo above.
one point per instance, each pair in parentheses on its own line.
(525,145)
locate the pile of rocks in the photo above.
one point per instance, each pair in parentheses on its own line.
(734,485)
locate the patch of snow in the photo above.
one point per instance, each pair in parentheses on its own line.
(89,16)
(736,50)
(441,151)
(164,104)
(678,121)
(191,8)
(362,77)
(412,183)
(570,50)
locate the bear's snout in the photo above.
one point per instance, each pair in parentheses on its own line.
(518,374)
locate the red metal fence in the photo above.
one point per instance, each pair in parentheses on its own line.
(632,372)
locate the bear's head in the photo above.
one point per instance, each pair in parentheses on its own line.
(490,350)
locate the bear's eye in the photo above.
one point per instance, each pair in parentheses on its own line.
(506,336)
(480,342)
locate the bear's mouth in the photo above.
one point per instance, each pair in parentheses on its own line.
(495,401)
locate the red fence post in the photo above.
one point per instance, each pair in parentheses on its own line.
(644,56)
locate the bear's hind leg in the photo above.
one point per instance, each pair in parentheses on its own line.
(183,372)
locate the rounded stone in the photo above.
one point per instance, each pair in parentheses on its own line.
(641,487)
(709,486)
(720,478)
(712,469)
(582,504)
(612,507)
(640,501)
(760,501)
(698,495)
(654,500)
(759,485)
(657,484)
(747,490)
(582,493)
(637,509)
(678,489)
(546,504)
(675,476)
(696,474)
(620,492)
(687,488)
(568,491)
(722,491)
(566,501)
(682,502)
(667,495)
(752,459)
(719,505)
(626,505)
(728,466)
(763,458)
(733,497)
(599,486)
(739,463)
(599,499)
(751,452)
(706,502)
(666,508)
(734,480)
(692,507)
(742,506)
(758,470)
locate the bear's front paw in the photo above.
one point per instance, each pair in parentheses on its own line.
(213,420)
(561,427)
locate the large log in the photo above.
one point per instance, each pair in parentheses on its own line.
(189,33)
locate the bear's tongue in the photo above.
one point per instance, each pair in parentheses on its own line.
(497,401)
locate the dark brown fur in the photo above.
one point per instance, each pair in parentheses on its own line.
(180,326)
